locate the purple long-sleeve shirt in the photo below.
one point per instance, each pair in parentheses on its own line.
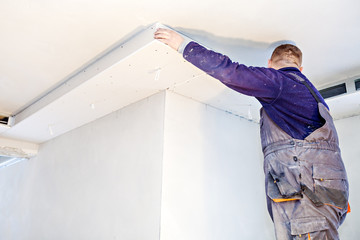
(287,101)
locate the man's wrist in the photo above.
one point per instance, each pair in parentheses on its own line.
(183,45)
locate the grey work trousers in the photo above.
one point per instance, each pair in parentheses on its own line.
(306,182)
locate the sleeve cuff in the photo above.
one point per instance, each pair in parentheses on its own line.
(183,45)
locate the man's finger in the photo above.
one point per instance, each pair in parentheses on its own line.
(162,34)
(169,37)
(162,30)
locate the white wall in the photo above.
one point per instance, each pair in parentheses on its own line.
(100,181)
(349,136)
(166,168)
(112,178)
(14,199)
(213,181)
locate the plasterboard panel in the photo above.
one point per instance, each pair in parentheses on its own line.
(344,106)
(151,67)
(154,68)
(115,54)
(118,86)
(148,71)
(208,90)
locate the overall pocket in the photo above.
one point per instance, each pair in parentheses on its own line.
(330,185)
(309,228)
(280,190)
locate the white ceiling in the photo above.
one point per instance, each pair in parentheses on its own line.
(45,42)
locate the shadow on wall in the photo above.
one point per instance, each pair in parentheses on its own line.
(244,51)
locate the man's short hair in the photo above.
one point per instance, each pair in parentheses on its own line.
(287,53)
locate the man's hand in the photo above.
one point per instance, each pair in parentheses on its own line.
(169,37)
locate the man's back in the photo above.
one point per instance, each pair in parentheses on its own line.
(286,100)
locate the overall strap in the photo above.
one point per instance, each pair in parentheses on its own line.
(307,85)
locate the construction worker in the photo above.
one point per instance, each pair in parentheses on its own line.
(305,178)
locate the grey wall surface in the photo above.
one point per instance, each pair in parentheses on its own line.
(349,137)
(166,168)
(213,181)
(100,181)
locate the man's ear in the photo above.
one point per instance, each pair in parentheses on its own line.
(269,63)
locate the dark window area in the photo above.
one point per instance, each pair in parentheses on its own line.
(357,84)
(4,120)
(333,91)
